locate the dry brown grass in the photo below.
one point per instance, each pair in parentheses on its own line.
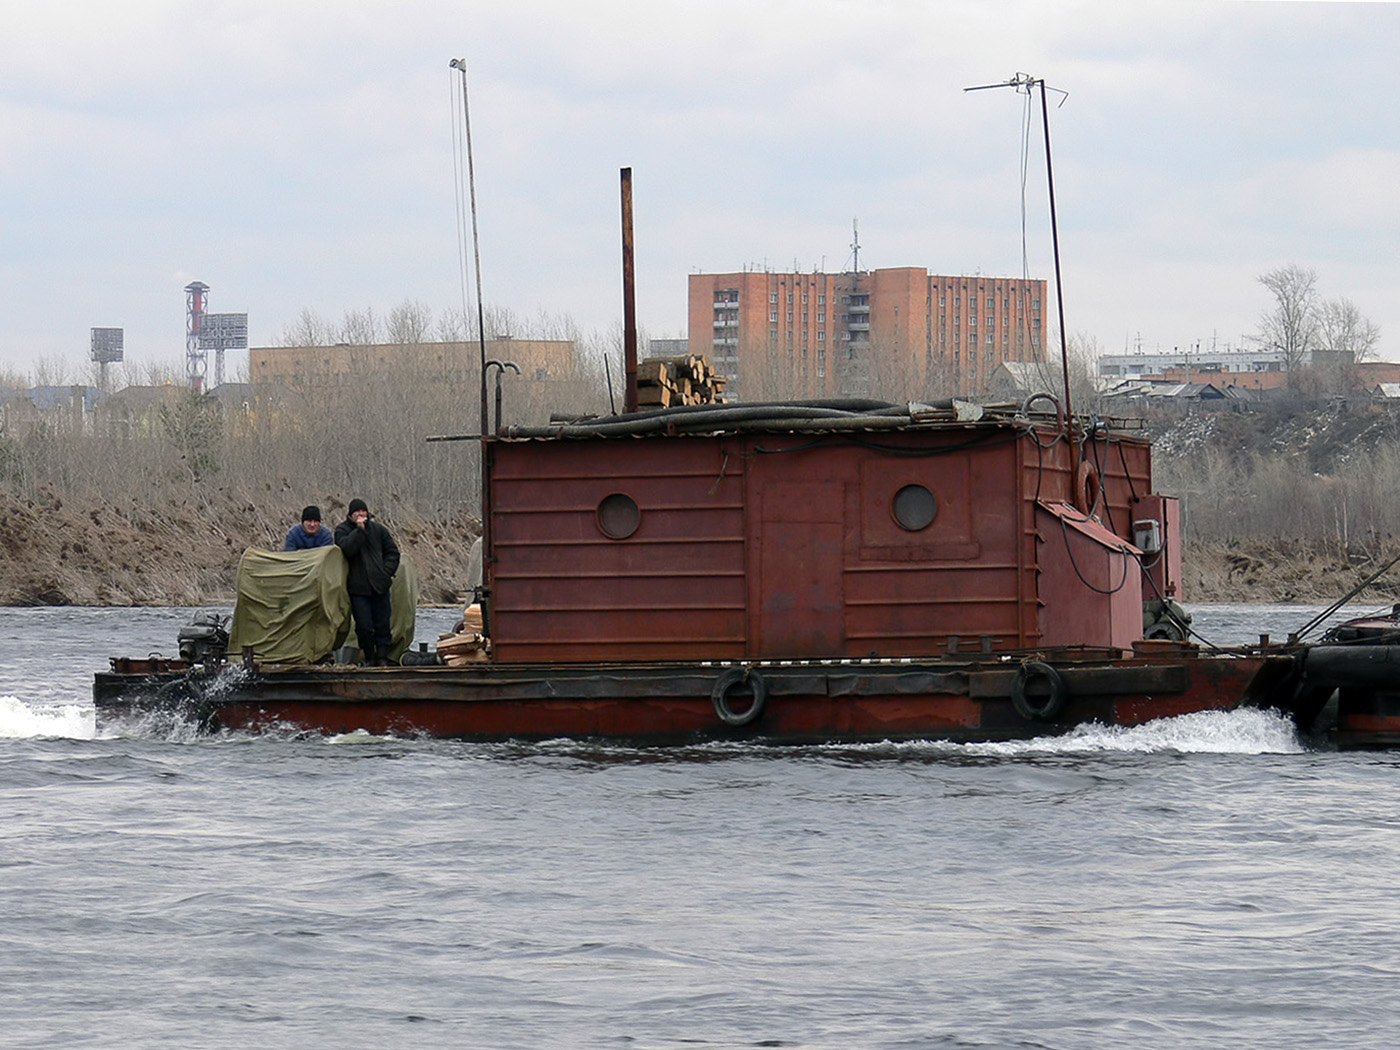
(111,552)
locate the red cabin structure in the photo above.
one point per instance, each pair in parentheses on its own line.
(769,540)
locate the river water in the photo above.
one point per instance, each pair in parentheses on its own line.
(1205,881)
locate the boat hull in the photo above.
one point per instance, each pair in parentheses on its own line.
(672,703)
(1365,672)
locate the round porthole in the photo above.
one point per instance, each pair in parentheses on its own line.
(914,507)
(618,516)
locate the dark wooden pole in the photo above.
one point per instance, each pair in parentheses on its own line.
(629,298)
(1078,497)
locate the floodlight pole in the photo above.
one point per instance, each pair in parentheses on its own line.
(1025,82)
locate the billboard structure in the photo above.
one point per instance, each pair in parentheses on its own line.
(107,345)
(106,349)
(220,332)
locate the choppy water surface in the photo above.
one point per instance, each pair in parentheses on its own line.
(1198,882)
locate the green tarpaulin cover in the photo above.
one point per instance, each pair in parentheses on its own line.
(292,607)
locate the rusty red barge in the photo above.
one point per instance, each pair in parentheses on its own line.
(816,571)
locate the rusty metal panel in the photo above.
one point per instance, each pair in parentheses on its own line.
(1090,581)
(1163,567)
(563,589)
(800,537)
(909,590)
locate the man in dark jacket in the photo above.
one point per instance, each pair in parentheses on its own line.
(373,558)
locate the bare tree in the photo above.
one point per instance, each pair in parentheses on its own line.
(309,329)
(410,322)
(1291,324)
(361,328)
(1342,327)
(51,371)
(453,326)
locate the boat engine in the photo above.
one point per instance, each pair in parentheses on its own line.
(204,639)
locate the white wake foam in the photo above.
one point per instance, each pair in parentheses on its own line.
(1246,731)
(19,721)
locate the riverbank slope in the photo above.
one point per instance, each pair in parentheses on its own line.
(69,552)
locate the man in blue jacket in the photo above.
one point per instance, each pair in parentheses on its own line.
(310,533)
(373,558)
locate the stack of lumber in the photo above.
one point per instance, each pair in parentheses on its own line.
(467,644)
(686,380)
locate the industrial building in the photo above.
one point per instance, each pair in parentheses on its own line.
(863,332)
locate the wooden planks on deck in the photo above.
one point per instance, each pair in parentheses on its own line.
(686,380)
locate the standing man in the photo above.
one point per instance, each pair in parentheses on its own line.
(310,533)
(373,558)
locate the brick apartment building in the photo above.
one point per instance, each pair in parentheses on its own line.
(893,332)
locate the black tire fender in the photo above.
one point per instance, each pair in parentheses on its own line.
(739,678)
(1037,710)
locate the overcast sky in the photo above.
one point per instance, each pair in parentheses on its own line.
(300,155)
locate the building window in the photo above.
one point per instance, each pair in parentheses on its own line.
(773,316)
(821,300)
(1035,304)
(821,317)
(821,335)
(972,321)
(773,297)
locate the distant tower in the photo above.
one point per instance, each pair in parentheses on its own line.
(196,299)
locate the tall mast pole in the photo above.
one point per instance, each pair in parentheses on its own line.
(1060,298)
(460,64)
(1024,82)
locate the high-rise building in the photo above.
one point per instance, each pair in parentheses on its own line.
(894,332)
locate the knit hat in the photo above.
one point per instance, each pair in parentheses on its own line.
(312,513)
(358,504)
